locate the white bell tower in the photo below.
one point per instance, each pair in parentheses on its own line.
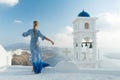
(84,40)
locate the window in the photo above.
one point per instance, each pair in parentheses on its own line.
(86,26)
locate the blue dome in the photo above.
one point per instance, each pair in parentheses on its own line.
(83,14)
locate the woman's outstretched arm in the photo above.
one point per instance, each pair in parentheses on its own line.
(25,34)
(46,38)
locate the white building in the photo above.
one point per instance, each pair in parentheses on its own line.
(84,38)
(5,58)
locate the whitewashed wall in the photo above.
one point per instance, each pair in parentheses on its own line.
(3,57)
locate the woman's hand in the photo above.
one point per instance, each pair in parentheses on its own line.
(49,40)
(52,42)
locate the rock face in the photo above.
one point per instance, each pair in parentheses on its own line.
(21,59)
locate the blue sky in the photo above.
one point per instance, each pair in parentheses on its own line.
(55,18)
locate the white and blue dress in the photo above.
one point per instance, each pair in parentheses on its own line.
(35,50)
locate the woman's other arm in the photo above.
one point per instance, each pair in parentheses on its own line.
(46,38)
(25,34)
(49,40)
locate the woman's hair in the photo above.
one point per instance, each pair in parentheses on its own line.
(35,23)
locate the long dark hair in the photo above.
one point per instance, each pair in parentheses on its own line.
(35,23)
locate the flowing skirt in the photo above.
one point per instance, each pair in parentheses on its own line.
(37,61)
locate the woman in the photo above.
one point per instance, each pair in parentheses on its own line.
(37,62)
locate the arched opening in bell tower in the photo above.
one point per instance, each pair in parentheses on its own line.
(87,48)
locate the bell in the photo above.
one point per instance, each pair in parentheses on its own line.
(76,45)
(90,45)
(86,44)
(81,45)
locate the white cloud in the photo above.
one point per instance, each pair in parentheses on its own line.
(17,21)
(109,39)
(108,21)
(109,35)
(64,39)
(9,2)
